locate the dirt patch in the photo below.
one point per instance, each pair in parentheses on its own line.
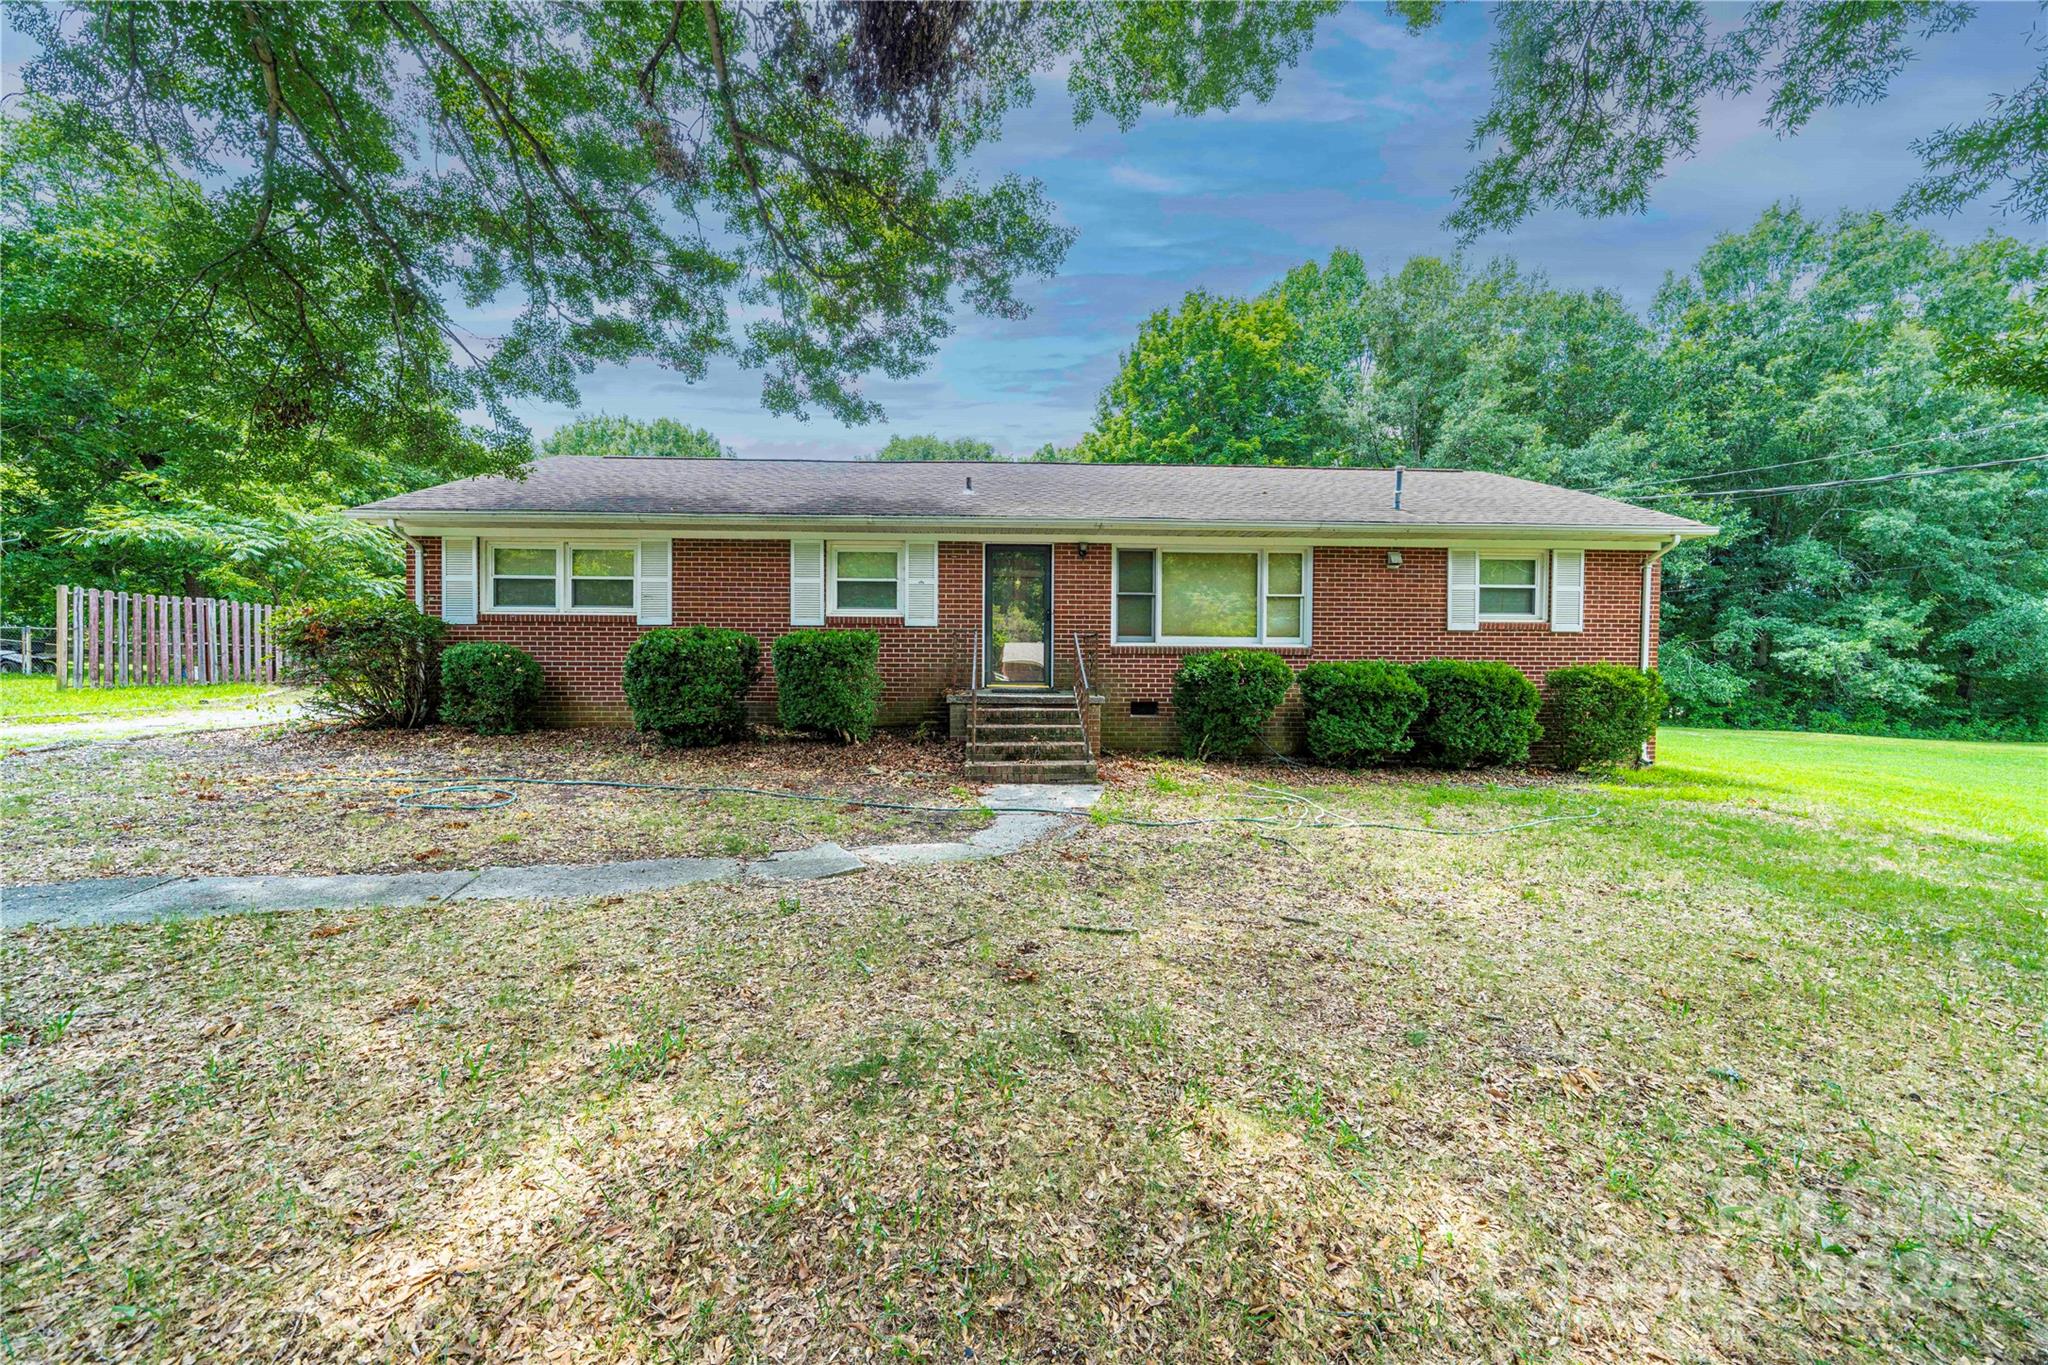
(319,800)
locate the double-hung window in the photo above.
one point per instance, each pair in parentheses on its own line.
(600,577)
(1510,587)
(530,576)
(867,580)
(1250,597)
(523,577)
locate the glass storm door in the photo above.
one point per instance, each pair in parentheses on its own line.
(1017,588)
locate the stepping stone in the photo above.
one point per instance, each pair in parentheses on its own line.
(568,881)
(36,904)
(253,895)
(804,864)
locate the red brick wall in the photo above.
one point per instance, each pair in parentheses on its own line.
(744,585)
(1362,610)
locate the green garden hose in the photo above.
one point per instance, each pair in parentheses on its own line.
(495,793)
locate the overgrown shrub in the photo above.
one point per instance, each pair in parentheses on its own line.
(829,682)
(369,660)
(1222,699)
(1600,713)
(689,684)
(491,689)
(1360,713)
(1477,713)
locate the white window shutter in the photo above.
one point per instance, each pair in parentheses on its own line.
(921,583)
(1463,609)
(655,585)
(1568,590)
(807,582)
(458,580)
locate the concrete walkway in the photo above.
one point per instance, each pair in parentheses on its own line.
(1034,812)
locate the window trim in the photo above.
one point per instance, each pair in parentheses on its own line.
(1263,640)
(1539,589)
(563,549)
(901,549)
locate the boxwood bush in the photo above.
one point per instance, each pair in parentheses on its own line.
(689,684)
(369,660)
(1477,713)
(829,682)
(1600,714)
(1361,712)
(1222,699)
(491,689)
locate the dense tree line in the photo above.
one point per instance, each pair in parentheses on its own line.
(1797,352)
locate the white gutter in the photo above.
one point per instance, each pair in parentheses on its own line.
(1649,566)
(419,561)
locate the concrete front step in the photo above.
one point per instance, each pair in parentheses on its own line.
(1028,751)
(1029,715)
(1065,770)
(1024,734)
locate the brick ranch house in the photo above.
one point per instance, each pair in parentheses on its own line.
(1039,570)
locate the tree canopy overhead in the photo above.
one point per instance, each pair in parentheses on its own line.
(632,176)
(156,431)
(1593,100)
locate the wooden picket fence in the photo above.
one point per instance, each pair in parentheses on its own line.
(121,639)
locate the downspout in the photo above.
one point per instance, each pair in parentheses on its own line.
(1649,566)
(419,562)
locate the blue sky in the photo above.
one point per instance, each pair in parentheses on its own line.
(1360,147)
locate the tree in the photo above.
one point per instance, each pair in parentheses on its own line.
(157,430)
(1437,364)
(608,435)
(1592,100)
(635,175)
(928,448)
(1217,381)
(1795,352)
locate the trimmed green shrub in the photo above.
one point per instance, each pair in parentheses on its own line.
(491,689)
(1222,699)
(829,682)
(369,660)
(689,684)
(1478,713)
(1599,714)
(1360,713)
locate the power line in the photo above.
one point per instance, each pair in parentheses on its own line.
(1832,455)
(1848,483)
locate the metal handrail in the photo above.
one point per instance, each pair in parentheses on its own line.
(974,686)
(1081,691)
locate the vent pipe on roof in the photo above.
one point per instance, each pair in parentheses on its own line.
(970,483)
(1398,472)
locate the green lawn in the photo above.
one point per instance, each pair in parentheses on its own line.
(37,700)
(1752,1065)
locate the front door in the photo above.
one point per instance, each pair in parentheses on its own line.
(1017,591)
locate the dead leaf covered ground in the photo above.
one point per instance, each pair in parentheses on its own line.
(1730,1074)
(314,800)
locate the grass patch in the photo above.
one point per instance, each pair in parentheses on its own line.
(1740,1070)
(35,699)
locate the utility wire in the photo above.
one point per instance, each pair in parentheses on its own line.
(1846,483)
(1626,484)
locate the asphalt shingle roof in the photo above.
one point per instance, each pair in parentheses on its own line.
(1029,494)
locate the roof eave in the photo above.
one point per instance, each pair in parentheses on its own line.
(967,527)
